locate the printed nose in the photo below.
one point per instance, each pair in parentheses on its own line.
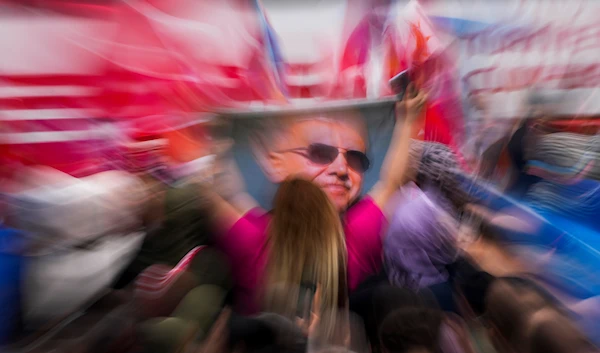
(340,166)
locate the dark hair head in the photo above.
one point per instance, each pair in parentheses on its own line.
(411,328)
(510,304)
(383,300)
(556,334)
(471,282)
(387,299)
(527,285)
(506,311)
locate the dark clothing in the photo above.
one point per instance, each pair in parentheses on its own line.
(266,333)
(375,298)
(186,226)
(521,186)
(490,158)
(516,150)
(444,296)
(516,147)
(472,282)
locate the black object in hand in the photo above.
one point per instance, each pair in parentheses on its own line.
(399,83)
(305,299)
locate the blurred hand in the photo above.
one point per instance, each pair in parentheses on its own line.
(413,102)
(309,327)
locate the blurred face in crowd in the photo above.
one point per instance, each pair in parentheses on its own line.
(330,151)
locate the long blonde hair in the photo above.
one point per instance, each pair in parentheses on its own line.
(306,243)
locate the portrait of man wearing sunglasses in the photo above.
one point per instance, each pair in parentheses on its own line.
(331,151)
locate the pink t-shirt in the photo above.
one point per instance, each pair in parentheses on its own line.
(244,244)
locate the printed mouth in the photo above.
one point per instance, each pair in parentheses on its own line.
(337,188)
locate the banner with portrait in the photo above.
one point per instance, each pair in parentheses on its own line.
(340,149)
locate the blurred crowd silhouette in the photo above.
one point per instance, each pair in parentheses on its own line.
(200,176)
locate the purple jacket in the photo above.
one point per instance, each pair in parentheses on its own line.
(420,241)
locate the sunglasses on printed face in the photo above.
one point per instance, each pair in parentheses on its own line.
(322,154)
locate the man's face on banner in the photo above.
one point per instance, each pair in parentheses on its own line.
(341,179)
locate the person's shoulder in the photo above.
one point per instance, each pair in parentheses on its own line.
(363,204)
(258,213)
(254,222)
(364,211)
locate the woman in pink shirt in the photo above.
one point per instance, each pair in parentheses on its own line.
(335,165)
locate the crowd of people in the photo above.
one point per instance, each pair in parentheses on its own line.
(326,270)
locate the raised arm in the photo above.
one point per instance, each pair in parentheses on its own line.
(228,195)
(230,185)
(395,164)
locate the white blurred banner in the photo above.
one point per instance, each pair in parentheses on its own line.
(506,50)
